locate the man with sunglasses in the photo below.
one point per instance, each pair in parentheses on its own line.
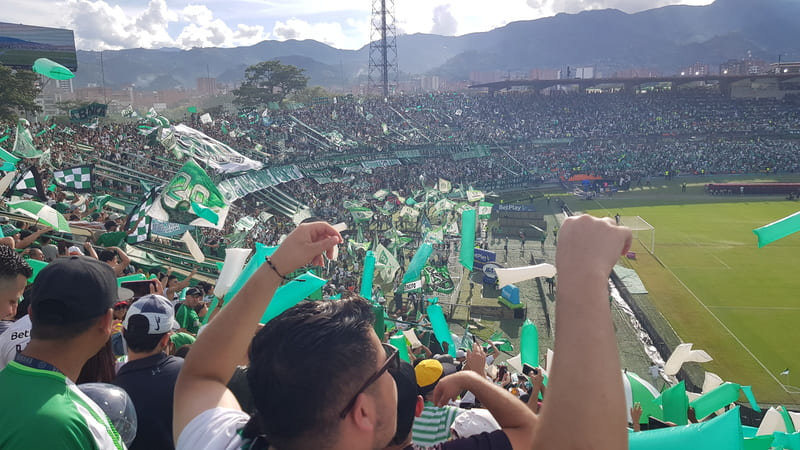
(352,407)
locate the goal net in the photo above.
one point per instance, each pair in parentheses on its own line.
(642,231)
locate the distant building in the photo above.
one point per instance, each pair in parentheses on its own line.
(430,83)
(784,67)
(746,66)
(697,69)
(641,72)
(543,74)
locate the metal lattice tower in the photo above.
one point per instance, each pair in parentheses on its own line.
(382,48)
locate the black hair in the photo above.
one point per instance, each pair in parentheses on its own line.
(331,337)
(47,330)
(136,335)
(12,265)
(406,380)
(109,224)
(106,255)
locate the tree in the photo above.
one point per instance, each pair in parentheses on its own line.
(307,95)
(17,93)
(268,81)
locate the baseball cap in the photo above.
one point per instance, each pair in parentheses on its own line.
(474,421)
(157,310)
(430,371)
(73,289)
(74,251)
(181,339)
(195,291)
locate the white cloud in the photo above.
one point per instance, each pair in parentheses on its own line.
(331,33)
(443,21)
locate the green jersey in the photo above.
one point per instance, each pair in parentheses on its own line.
(188,319)
(44,409)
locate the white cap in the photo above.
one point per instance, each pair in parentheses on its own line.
(159,313)
(474,421)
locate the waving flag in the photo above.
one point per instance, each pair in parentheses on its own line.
(190,185)
(140,220)
(78,178)
(23,144)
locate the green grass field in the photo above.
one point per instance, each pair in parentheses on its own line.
(716,288)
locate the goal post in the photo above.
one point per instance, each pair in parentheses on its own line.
(642,231)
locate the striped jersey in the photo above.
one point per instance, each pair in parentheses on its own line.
(433,425)
(45,409)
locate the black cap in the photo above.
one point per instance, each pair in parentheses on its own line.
(70,290)
(194,291)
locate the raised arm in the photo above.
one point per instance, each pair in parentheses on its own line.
(23,243)
(514,417)
(209,366)
(124,261)
(585,390)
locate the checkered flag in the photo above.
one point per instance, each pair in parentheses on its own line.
(78,178)
(140,221)
(29,182)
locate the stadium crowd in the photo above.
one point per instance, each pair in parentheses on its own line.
(75,325)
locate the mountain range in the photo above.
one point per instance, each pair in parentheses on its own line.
(663,39)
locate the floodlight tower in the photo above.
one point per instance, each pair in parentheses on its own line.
(382,48)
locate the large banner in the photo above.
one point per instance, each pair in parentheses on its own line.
(169,229)
(238,187)
(214,154)
(191,198)
(87,112)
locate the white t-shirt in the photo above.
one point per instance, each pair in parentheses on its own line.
(14,340)
(214,429)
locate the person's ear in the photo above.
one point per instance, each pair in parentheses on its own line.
(419,407)
(106,322)
(363,413)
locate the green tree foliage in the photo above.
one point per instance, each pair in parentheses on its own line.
(268,81)
(17,93)
(307,95)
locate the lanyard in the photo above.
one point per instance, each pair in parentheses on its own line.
(29,361)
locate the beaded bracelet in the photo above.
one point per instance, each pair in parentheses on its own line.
(272,266)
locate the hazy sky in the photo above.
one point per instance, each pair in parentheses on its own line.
(108,24)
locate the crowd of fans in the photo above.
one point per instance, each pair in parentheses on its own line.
(83,328)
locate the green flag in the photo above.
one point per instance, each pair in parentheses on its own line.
(190,185)
(484,210)
(361,214)
(23,144)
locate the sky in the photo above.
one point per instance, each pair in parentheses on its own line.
(114,25)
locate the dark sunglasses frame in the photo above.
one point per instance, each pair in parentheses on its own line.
(392,362)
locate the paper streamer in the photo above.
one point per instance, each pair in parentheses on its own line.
(231,269)
(711,382)
(262,251)
(719,398)
(134,277)
(412,338)
(398,341)
(518,274)
(529,344)
(193,248)
(367,275)
(379,324)
(777,230)
(418,262)
(440,328)
(723,432)
(515,363)
(638,390)
(683,353)
(675,404)
(291,294)
(467,254)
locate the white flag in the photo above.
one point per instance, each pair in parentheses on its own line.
(194,249)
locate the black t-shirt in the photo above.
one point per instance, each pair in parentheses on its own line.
(150,383)
(496,440)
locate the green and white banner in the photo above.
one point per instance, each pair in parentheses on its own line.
(190,186)
(473,195)
(437,279)
(78,178)
(361,214)
(140,220)
(484,210)
(444,185)
(220,157)
(23,144)
(242,185)
(386,263)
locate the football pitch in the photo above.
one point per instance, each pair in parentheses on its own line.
(715,287)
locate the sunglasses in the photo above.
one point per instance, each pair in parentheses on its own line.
(392,363)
